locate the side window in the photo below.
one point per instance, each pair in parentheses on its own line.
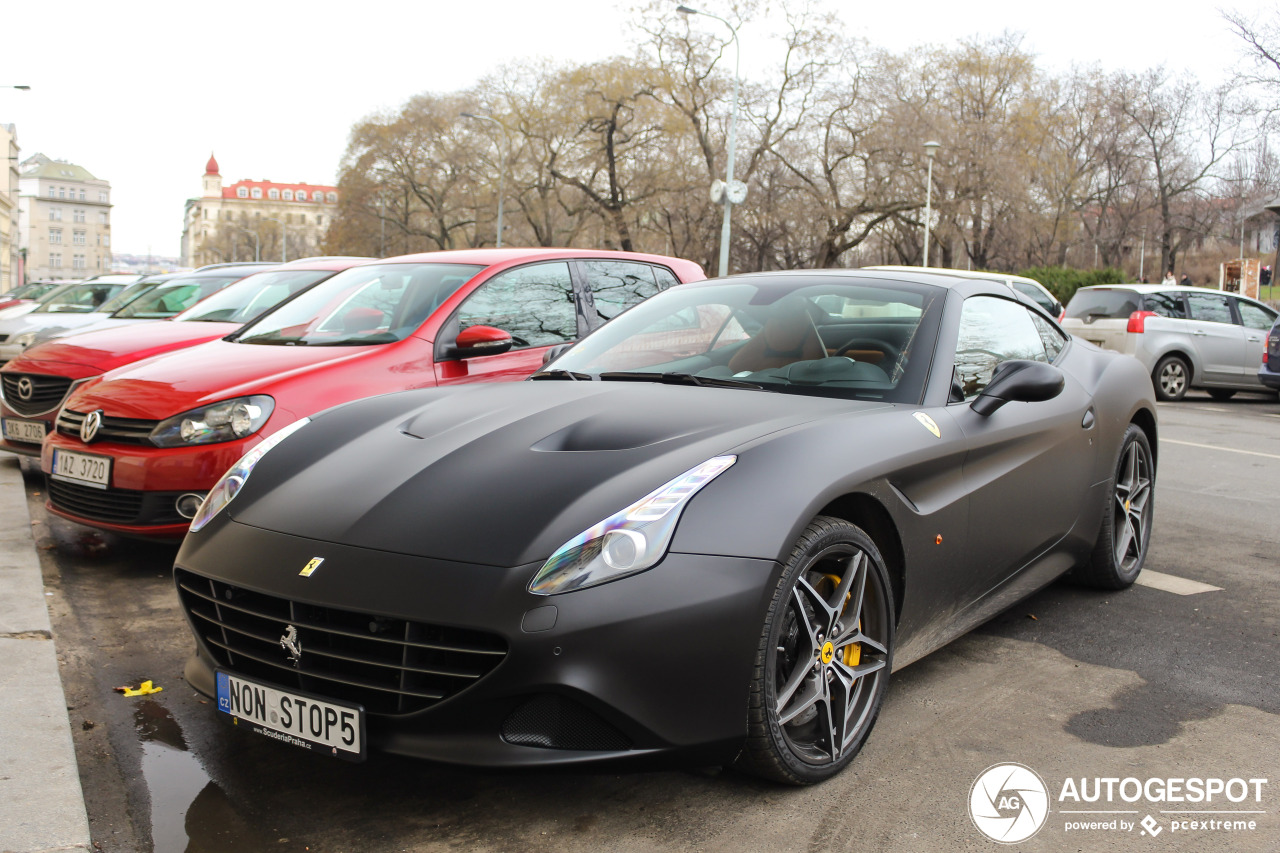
(1165,304)
(1053,339)
(1255,316)
(1209,307)
(617,285)
(993,331)
(534,303)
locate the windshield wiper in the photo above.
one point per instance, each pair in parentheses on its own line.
(682,379)
(563,374)
(272,339)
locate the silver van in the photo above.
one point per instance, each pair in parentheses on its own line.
(1188,337)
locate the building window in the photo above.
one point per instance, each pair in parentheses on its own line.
(104,239)
(288,195)
(332,198)
(55,214)
(78,215)
(102,217)
(52,193)
(82,195)
(273,194)
(55,235)
(317,196)
(77,262)
(256,192)
(55,260)
(77,238)
(302,218)
(241,192)
(62,192)
(102,197)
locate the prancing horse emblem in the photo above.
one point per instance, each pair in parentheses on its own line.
(89,428)
(291,644)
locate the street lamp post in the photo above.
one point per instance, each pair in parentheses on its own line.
(284,252)
(502,164)
(733,194)
(930,149)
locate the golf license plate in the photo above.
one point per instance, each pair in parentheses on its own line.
(28,431)
(292,717)
(93,471)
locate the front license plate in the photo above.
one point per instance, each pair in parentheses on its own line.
(300,719)
(29,431)
(81,468)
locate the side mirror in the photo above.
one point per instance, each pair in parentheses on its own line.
(480,340)
(1020,381)
(554,352)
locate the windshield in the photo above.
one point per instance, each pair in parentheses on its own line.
(825,336)
(130,293)
(173,296)
(249,297)
(80,298)
(375,304)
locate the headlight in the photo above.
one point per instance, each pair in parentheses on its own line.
(229,486)
(225,421)
(629,541)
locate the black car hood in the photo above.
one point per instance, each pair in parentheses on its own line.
(502,475)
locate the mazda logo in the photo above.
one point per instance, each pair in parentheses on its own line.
(89,429)
(25,388)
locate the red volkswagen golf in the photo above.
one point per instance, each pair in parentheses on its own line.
(135,451)
(34,385)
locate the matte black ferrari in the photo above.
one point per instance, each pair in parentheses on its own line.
(707,532)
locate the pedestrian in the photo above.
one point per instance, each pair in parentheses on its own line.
(1185,281)
(1169,280)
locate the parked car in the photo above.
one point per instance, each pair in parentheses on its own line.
(1269,370)
(1029,287)
(1187,337)
(708,531)
(88,301)
(135,451)
(34,385)
(27,293)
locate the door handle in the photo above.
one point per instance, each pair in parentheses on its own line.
(1254,340)
(1089,419)
(1199,332)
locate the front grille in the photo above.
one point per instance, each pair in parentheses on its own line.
(120,430)
(554,722)
(47,392)
(119,506)
(390,666)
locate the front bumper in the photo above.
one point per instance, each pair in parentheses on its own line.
(657,665)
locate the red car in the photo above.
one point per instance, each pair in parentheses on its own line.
(136,451)
(34,385)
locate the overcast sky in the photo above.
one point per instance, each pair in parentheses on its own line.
(139,93)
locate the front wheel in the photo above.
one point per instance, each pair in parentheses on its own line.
(822,666)
(1122,543)
(1171,377)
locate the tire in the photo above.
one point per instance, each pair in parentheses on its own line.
(819,681)
(1221,394)
(1171,377)
(1122,543)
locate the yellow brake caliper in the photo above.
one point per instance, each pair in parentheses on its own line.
(852,653)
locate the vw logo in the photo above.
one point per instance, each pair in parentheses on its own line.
(89,429)
(25,388)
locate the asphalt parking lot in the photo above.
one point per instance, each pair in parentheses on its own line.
(1174,678)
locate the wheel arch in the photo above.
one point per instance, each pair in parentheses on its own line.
(870,514)
(1192,364)
(1145,420)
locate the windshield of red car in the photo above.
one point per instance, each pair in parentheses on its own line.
(827,336)
(366,305)
(249,297)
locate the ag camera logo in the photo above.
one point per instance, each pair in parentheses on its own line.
(1009,803)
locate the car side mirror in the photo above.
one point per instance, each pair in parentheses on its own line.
(1019,381)
(480,340)
(554,352)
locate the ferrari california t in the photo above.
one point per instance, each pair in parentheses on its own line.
(707,532)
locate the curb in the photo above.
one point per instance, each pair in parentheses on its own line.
(41,803)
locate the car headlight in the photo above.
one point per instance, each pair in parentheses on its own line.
(629,541)
(233,481)
(225,421)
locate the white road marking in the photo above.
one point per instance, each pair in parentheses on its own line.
(1216,447)
(1211,409)
(1171,583)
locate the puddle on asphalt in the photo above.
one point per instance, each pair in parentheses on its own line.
(190,813)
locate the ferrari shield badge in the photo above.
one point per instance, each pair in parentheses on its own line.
(928,424)
(309,568)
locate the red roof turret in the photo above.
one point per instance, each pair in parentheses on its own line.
(211,168)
